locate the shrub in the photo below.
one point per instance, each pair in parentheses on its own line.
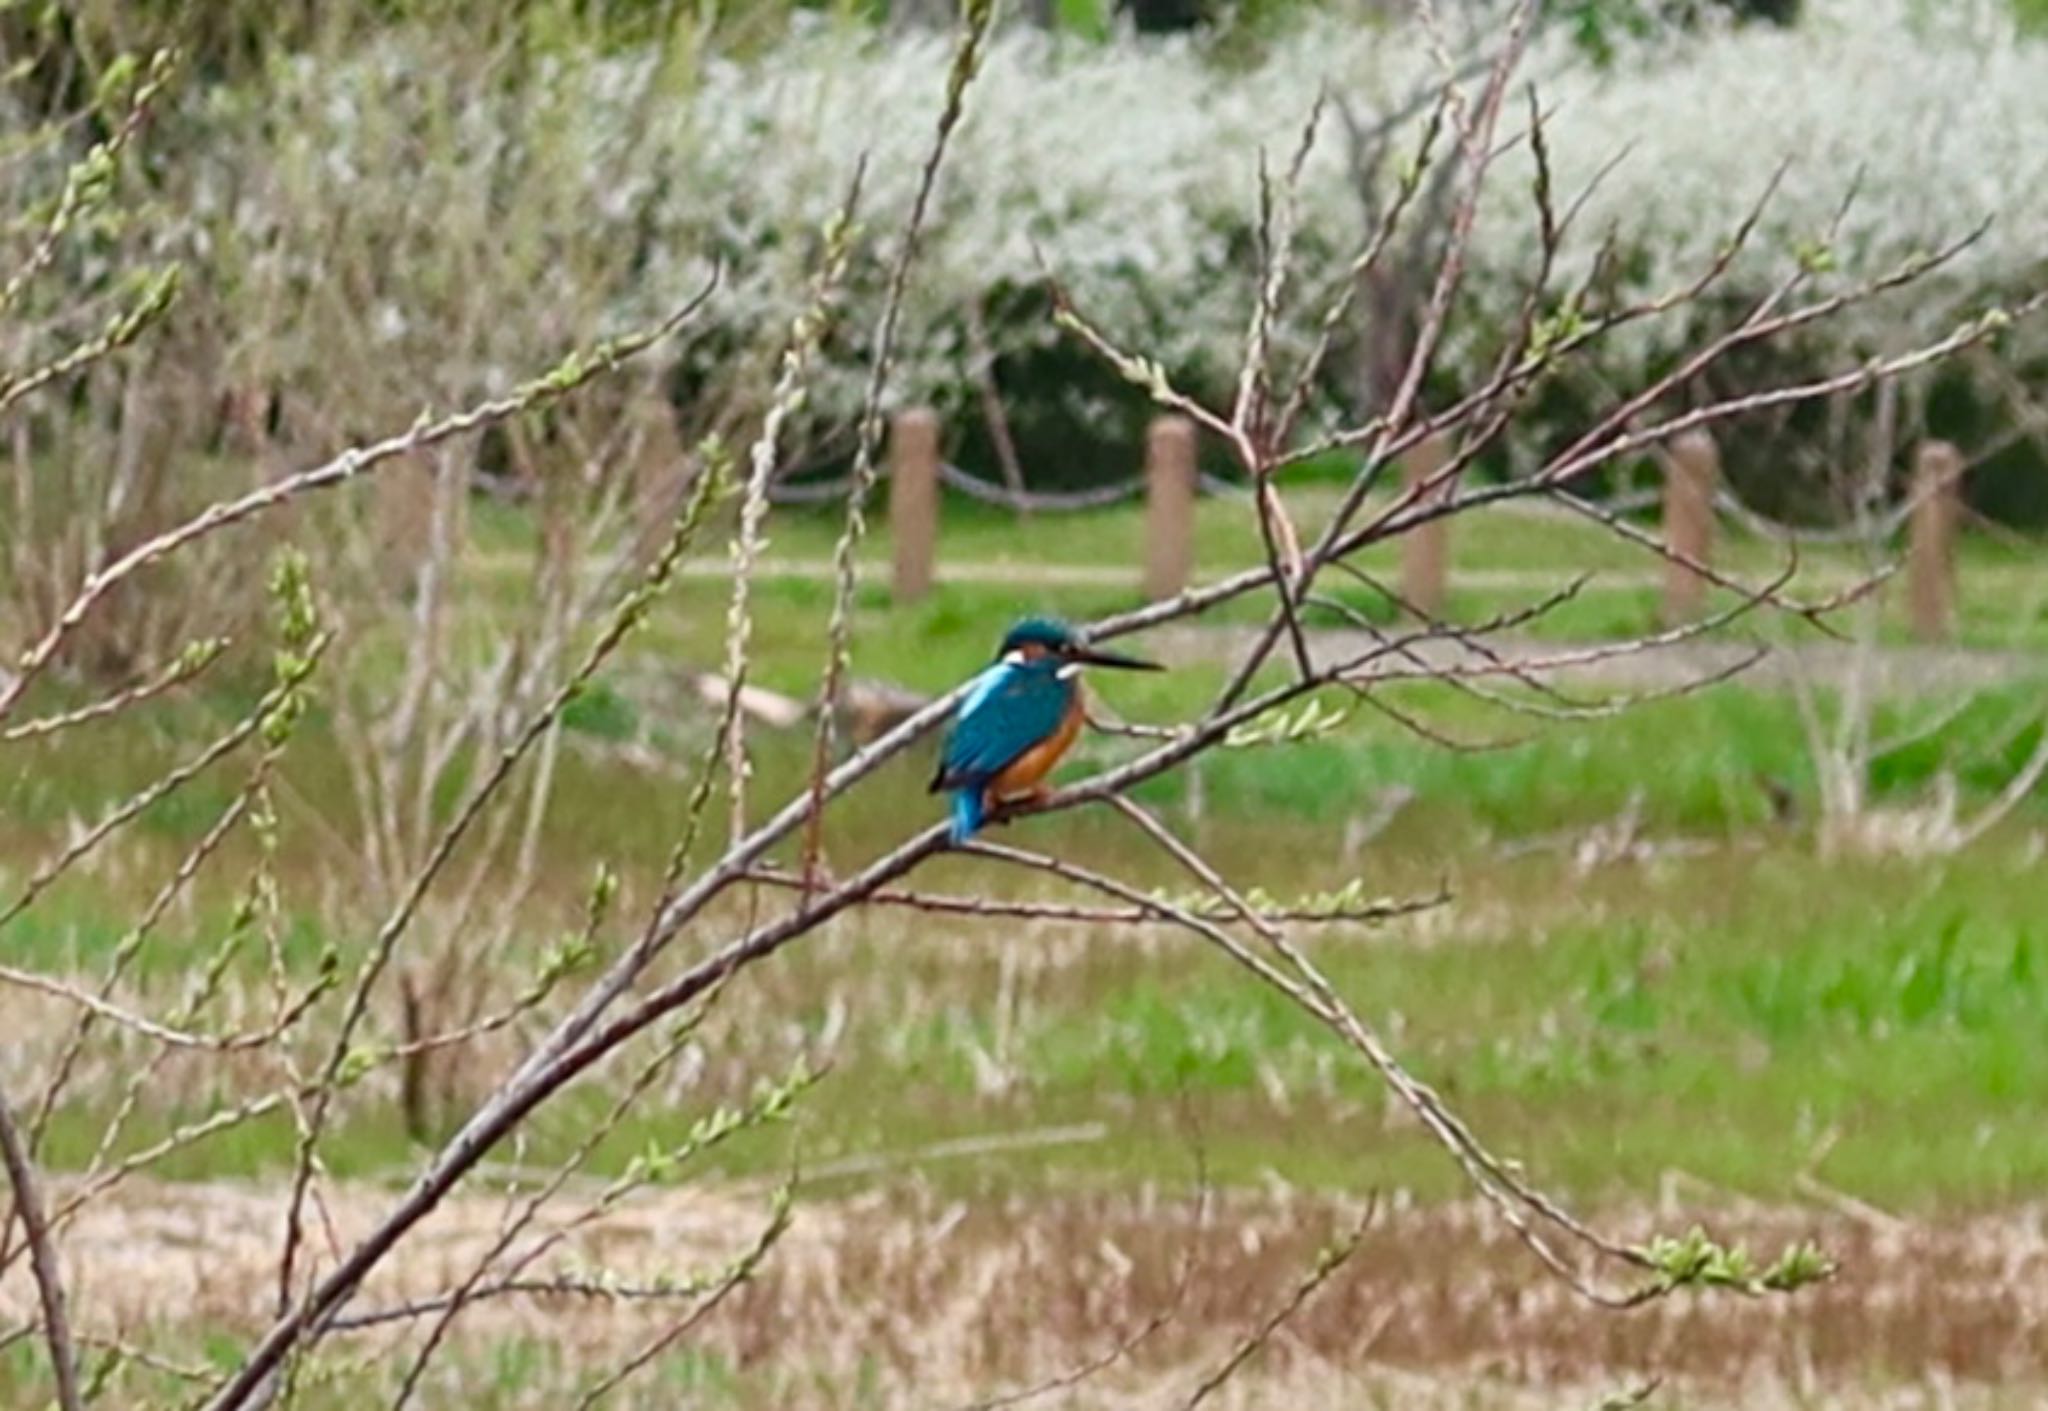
(417,217)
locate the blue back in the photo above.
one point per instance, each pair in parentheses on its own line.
(1009,708)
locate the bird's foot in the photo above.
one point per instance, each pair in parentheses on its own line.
(1009,806)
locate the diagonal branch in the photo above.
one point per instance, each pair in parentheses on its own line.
(43,1256)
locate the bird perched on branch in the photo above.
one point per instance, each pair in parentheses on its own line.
(1018,718)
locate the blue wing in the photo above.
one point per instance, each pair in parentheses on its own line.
(1006,711)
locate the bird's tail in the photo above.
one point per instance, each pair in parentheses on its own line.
(967,813)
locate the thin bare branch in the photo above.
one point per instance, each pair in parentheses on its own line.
(28,1206)
(1339,911)
(805,334)
(165,785)
(188,666)
(741,1270)
(977,17)
(1326,1266)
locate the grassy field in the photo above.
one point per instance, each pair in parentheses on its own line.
(1646,982)
(1723,1003)
(1500,559)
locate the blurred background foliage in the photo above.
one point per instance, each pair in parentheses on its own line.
(364,195)
(66,42)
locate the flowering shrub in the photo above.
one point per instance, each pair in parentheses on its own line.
(409,203)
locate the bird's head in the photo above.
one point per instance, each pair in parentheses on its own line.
(1043,639)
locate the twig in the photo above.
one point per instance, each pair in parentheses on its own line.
(474,1286)
(1495,1179)
(565,1286)
(28,1206)
(999,909)
(166,785)
(977,16)
(189,665)
(1363,266)
(983,368)
(1327,1263)
(742,1269)
(805,334)
(85,182)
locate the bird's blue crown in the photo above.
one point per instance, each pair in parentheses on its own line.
(1045,632)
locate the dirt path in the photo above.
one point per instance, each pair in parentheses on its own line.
(1904,670)
(914,1289)
(1898,670)
(1072,575)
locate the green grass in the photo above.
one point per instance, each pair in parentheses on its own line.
(1735,1022)
(1518,778)
(1741,1014)
(1742,1011)
(2002,598)
(1746,1016)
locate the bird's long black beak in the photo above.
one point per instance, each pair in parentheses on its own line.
(1096,656)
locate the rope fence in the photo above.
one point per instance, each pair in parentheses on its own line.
(1690,503)
(988,492)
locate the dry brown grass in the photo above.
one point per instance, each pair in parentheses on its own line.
(930,1299)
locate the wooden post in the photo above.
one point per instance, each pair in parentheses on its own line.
(1426,549)
(1931,554)
(1169,506)
(914,499)
(1693,472)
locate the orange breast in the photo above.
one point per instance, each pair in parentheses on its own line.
(1022,774)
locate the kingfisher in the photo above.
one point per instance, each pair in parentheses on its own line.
(1019,716)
